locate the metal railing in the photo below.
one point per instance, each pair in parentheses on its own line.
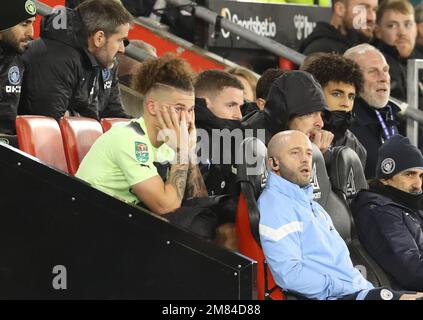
(266,43)
(409,109)
(413,67)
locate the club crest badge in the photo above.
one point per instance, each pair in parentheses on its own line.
(14,76)
(386,294)
(30,7)
(141,152)
(388,165)
(106,74)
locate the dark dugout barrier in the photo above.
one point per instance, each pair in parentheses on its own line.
(106,248)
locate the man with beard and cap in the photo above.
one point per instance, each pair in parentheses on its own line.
(16,30)
(303,249)
(219,97)
(295,102)
(73,66)
(389,216)
(375,118)
(352,22)
(341,80)
(396,32)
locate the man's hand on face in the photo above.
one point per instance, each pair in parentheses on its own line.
(322,139)
(174,131)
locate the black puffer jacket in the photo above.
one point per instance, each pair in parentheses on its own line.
(11,74)
(392,234)
(326,38)
(62,75)
(294,93)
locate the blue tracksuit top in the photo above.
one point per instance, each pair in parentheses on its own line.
(304,251)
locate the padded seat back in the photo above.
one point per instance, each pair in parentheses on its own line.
(79,134)
(324,195)
(347,174)
(251,176)
(40,137)
(108,123)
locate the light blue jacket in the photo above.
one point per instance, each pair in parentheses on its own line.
(304,251)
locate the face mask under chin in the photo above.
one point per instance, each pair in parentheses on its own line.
(337,122)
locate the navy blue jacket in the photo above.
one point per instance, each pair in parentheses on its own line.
(393,236)
(11,73)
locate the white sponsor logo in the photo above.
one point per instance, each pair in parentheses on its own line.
(315,182)
(13,89)
(303,26)
(351,190)
(266,28)
(108,84)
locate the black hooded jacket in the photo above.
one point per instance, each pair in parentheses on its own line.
(326,38)
(11,73)
(216,170)
(62,75)
(294,93)
(390,229)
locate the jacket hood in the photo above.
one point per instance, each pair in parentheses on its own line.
(72,32)
(294,93)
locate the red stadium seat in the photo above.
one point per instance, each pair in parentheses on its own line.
(285,64)
(107,123)
(79,134)
(248,246)
(40,137)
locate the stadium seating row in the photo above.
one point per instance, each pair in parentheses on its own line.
(61,145)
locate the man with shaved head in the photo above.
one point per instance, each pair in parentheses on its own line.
(305,253)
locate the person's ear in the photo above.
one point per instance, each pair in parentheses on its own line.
(340,9)
(260,103)
(274,164)
(384,181)
(150,106)
(99,39)
(208,102)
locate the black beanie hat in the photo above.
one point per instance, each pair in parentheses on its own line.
(395,155)
(16,11)
(294,93)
